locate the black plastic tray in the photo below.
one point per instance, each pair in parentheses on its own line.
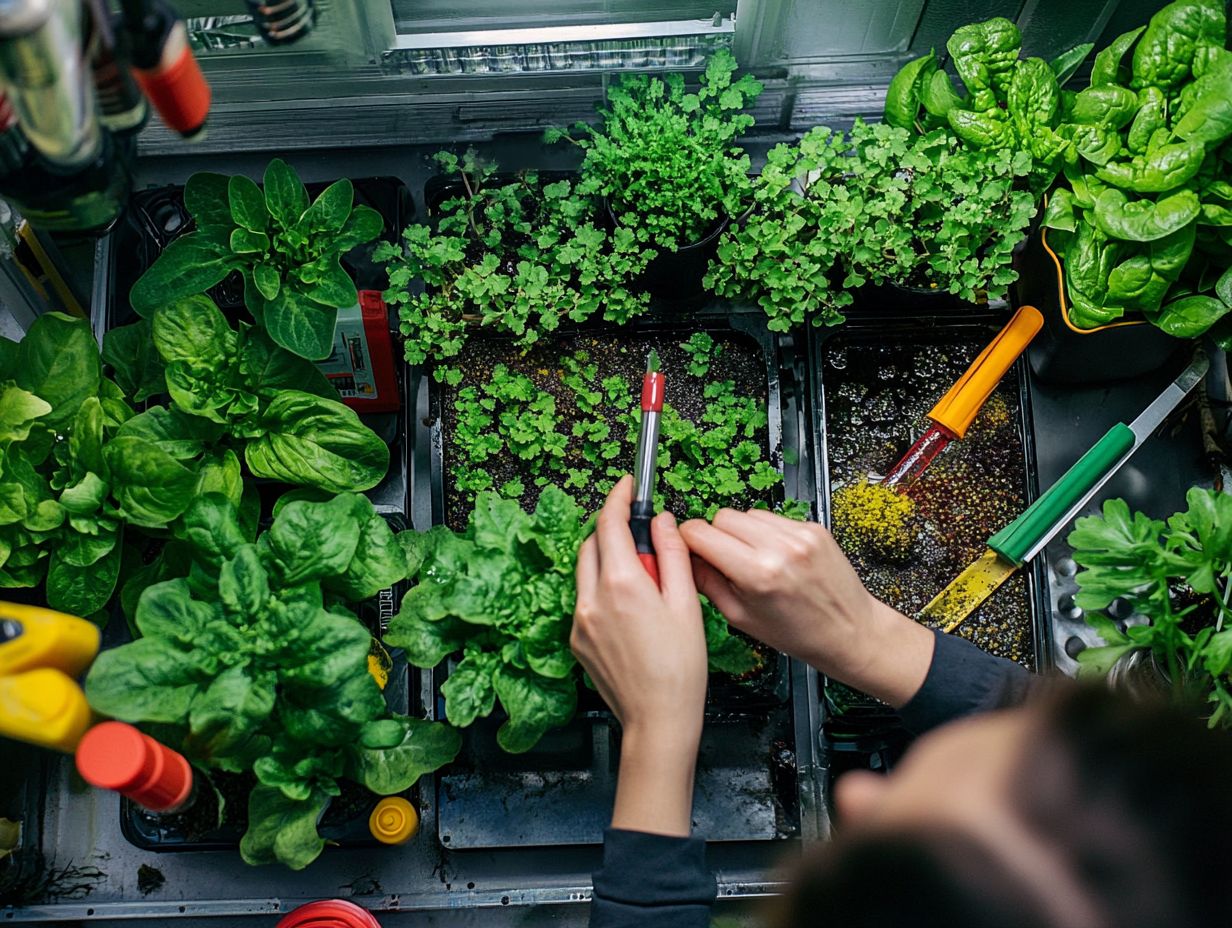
(558,785)
(854,719)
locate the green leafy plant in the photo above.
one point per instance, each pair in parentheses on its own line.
(74,474)
(518,258)
(878,206)
(287,249)
(255,661)
(501,594)
(499,599)
(234,390)
(1176,574)
(1010,102)
(1143,217)
(702,349)
(708,462)
(666,159)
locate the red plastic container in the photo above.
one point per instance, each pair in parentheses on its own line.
(329,913)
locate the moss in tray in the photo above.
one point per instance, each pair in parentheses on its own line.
(877,398)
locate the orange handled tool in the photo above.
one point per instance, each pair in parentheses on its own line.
(642,510)
(164,66)
(955,411)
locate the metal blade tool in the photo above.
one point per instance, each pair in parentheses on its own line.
(1015,545)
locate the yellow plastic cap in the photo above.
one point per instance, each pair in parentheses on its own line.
(393,821)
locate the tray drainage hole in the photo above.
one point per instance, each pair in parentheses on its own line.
(89,911)
(504,900)
(1074,646)
(470,885)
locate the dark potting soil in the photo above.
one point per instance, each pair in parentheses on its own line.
(877,396)
(740,361)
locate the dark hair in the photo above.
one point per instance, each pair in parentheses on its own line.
(1134,798)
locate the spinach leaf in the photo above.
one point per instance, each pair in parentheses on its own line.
(135,363)
(316,442)
(394,753)
(58,362)
(282,830)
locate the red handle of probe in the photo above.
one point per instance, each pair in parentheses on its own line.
(651,565)
(639,525)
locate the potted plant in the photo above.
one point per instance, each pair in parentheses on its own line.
(1176,575)
(287,250)
(255,663)
(1140,217)
(666,162)
(880,206)
(518,258)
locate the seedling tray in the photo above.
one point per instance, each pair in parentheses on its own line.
(560,792)
(873,383)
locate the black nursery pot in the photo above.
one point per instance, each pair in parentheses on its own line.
(1063,353)
(677,274)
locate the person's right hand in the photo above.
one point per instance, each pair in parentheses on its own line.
(790,585)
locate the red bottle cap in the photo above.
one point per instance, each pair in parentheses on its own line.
(113,755)
(329,913)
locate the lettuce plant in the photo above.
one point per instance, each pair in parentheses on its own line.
(287,249)
(518,258)
(498,598)
(255,661)
(667,160)
(71,477)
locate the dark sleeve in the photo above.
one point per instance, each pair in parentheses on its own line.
(963,680)
(652,881)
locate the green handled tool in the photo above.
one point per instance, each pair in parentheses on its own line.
(1027,535)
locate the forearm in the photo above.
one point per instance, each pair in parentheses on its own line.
(889,656)
(654,791)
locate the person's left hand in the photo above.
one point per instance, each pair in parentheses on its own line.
(645,649)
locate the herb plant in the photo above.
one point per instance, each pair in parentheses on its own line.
(501,595)
(256,662)
(1143,218)
(1176,574)
(518,258)
(667,160)
(587,445)
(287,249)
(879,206)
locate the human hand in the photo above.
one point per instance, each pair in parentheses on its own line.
(645,649)
(790,585)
